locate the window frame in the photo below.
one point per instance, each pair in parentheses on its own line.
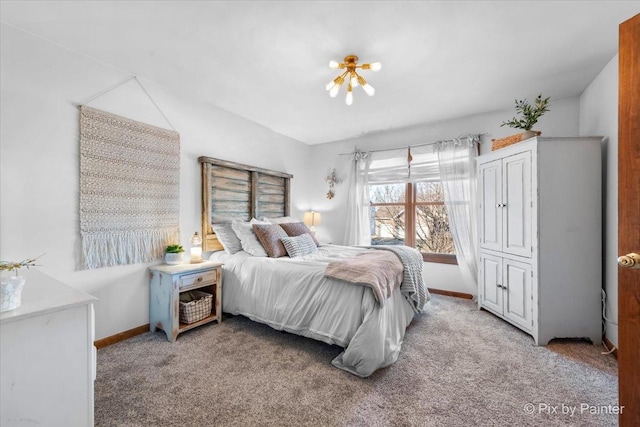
(410,225)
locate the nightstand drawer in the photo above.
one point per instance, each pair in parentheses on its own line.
(198,278)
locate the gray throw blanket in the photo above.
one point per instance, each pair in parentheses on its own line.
(413,286)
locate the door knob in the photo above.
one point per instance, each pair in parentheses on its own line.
(631,260)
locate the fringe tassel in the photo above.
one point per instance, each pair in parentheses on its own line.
(128,247)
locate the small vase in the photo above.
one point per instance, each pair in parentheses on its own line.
(529,134)
(173,258)
(11,293)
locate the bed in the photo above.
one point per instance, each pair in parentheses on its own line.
(294,294)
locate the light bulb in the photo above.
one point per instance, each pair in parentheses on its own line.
(335,86)
(330,85)
(333,64)
(349,99)
(369,89)
(354,80)
(375,66)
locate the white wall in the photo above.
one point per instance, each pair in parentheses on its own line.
(599,116)
(561,120)
(39,157)
(42,82)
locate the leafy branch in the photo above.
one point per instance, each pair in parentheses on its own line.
(530,114)
(16,265)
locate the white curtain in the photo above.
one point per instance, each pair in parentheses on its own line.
(357,231)
(392,166)
(388,167)
(456,160)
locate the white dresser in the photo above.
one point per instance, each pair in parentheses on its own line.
(540,231)
(47,357)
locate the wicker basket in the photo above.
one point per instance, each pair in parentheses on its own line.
(194,306)
(499,143)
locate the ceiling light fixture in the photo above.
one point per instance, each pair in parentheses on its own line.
(354,79)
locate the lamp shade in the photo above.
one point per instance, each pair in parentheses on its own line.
(312,218)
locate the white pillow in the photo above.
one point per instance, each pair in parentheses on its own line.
(299,245)
(227,238)
(280,220)
(248,239)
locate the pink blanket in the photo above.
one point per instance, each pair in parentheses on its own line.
(379,270)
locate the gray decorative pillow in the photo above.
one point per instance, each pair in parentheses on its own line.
(248,239)
(227,238)
(299,245)
(296,229)
(270,235)
(280,220)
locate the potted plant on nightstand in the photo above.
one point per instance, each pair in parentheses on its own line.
(173,254)
(529,115)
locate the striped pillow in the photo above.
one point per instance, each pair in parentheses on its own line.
(297,228)
(299,245)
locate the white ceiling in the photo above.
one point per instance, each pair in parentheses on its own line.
(267,60)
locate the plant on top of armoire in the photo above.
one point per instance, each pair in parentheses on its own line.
(528,117)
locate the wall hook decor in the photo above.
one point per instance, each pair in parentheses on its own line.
(332,179)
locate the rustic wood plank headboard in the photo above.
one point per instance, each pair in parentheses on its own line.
(234,190)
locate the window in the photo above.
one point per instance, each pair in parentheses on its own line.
(388,206)
(407,202)
(413,214)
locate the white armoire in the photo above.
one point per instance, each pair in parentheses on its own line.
(540,232)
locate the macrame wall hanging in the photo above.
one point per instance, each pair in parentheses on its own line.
(129,189)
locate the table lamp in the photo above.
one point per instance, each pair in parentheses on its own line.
(311,219)
(196,248)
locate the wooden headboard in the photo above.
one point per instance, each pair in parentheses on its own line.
(234,190)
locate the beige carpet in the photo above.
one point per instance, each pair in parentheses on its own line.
(459,367)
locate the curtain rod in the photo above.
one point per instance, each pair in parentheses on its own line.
(415,145)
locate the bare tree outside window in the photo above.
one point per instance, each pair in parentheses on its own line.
(388,203)
(430,225)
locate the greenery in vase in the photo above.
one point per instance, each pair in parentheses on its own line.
(17,265)
(530,114)
(174,249)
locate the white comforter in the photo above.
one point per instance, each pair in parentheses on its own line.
(292,294)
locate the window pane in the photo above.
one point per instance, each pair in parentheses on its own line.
(429,192)
(432,233)
(387,193)
(387,225)
(432,230)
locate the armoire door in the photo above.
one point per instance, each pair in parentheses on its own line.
(517,281)
(491,282)
(517,204)
(490,186)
